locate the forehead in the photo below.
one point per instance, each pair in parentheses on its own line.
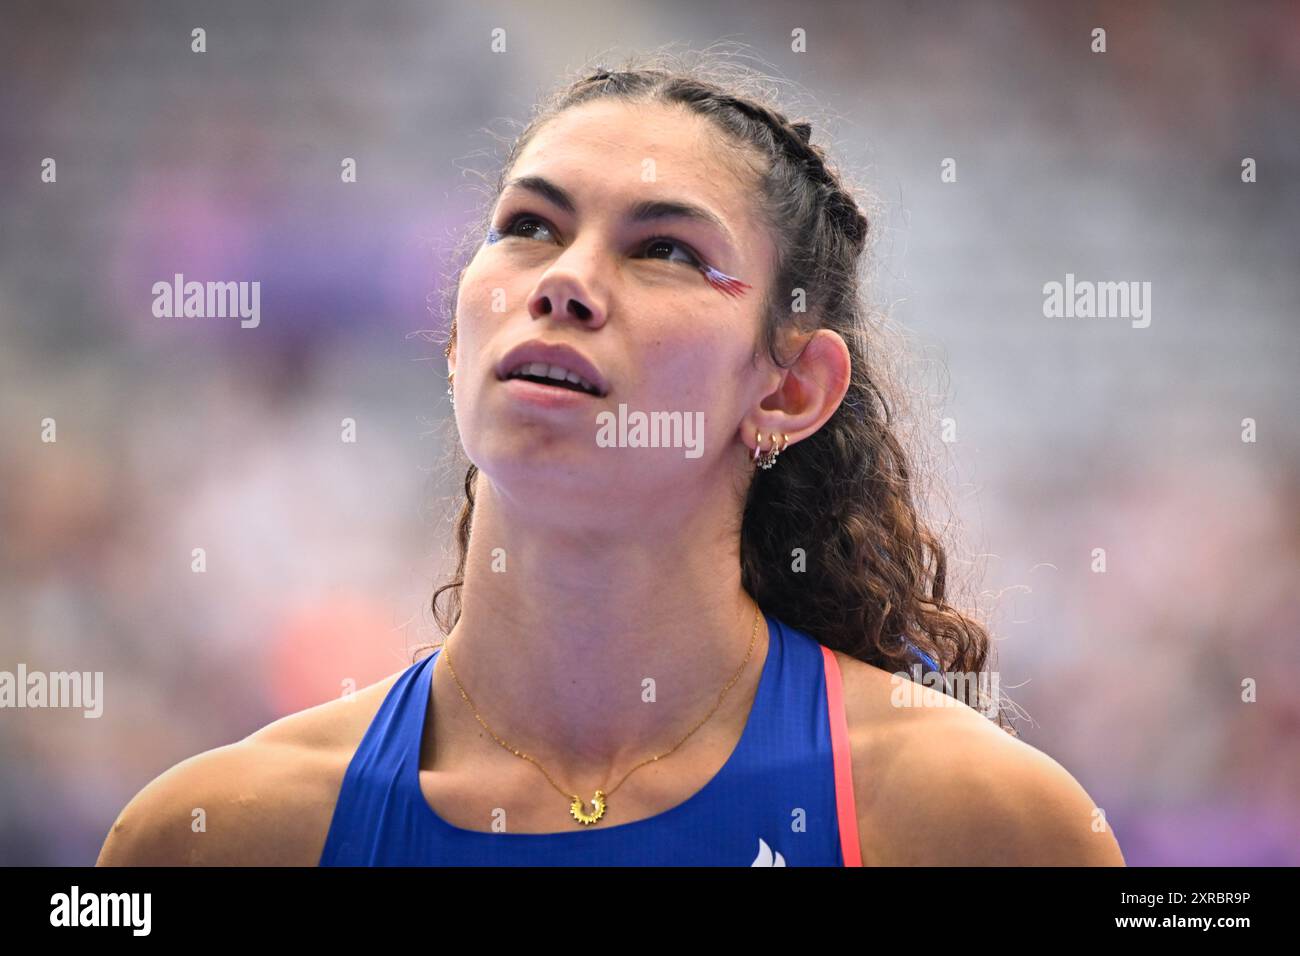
(600,153)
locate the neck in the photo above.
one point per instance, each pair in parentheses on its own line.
(556,648)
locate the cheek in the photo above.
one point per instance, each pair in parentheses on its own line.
(475,299)
(482,303)
(690,371)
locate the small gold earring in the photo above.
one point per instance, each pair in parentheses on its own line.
(768,458)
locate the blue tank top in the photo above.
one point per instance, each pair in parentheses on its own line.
(784,797)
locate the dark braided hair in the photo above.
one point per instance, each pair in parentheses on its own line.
(876,578)
(796,139)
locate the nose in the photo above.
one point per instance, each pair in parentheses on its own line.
(563,292)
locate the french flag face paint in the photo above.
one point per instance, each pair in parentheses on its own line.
(724,283)
(728,285)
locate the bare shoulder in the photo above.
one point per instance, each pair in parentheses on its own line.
(936,783)
(266,800)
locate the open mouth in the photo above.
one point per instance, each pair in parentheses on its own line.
(554,376)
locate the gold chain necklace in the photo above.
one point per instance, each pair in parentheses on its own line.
(600,801)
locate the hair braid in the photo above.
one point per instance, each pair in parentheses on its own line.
(795,139)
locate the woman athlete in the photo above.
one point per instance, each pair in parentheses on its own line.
(689,560)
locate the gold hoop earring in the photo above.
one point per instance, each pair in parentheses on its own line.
(767,459)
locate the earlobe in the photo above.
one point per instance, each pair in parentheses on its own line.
(766,459)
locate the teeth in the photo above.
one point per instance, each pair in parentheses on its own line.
(557,372)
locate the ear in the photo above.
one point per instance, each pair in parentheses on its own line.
(807,394)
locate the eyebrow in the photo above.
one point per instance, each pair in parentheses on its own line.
(648,210)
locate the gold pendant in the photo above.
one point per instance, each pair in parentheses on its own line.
(579,811)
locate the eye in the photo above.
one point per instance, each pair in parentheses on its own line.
(524,218)
(525,225)
(660,242)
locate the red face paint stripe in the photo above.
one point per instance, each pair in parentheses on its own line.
(723,282)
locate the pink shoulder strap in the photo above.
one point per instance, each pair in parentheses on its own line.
(844,803)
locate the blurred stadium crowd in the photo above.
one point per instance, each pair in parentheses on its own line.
(321,555)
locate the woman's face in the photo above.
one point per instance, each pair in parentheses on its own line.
(576,265)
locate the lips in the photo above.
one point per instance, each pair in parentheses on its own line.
(554,375)
(553,364)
